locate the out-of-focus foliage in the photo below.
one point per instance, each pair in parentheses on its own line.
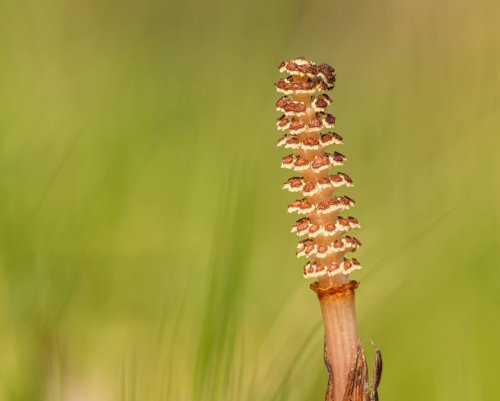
(144,245)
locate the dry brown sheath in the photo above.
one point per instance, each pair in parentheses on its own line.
(307,126)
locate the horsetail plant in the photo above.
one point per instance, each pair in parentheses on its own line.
(304,106)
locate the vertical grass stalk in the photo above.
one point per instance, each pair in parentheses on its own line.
(304,106)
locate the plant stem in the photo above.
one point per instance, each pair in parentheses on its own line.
(305,116)
(341,331)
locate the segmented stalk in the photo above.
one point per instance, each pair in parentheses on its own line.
(307,125)
(305,118)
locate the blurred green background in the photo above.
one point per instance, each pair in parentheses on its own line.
(145,251)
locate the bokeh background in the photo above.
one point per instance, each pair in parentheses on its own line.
(145,251)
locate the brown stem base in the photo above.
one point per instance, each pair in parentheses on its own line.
(344,355)
(341,332)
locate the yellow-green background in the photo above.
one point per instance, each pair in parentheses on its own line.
(145,251)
